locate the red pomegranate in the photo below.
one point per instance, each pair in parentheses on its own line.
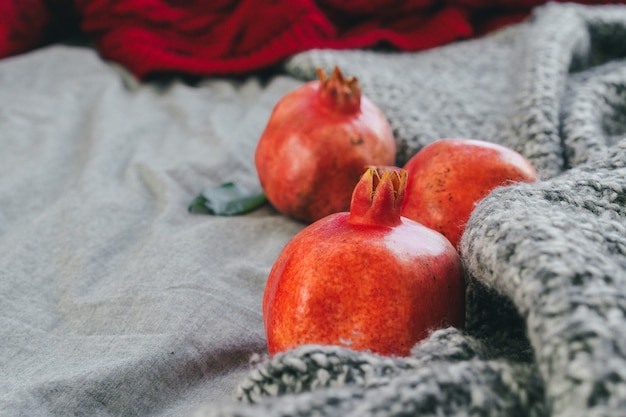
(367,279)
(448,177)
(318,141)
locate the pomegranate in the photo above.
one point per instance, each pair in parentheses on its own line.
(367,279)
(448,177)
(318,141)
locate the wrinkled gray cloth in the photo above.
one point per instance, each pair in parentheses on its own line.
(546,325)
(114,300)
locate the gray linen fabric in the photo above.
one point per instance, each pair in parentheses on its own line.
(546,325)
(114,300)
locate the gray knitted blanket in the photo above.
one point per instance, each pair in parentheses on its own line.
(546,325)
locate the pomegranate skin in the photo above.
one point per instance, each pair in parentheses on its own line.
(450,176)
(316,146)
(369,287)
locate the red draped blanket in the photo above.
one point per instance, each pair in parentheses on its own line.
(209,37)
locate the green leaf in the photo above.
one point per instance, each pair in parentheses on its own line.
(228,199)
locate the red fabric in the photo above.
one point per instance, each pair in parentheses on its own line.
(21,25)
(231,37)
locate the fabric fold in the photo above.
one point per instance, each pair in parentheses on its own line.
(444,376)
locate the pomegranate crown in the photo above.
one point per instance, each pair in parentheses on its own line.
(377,197)
(339,93)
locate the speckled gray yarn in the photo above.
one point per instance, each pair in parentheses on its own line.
(546,297)
(558,250)
(314,366)
(445,375)
(478,387)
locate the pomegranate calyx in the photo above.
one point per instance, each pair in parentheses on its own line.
(377,197)
(339,93)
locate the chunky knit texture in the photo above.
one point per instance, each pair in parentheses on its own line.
(546,325)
